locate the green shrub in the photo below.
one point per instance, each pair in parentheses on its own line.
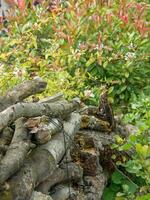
(138,146)
(86,43)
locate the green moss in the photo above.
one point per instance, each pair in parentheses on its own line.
(6,195)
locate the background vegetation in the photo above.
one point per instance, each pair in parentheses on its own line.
(79,47)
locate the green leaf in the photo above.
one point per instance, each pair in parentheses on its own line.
(131,187)
(108,194)
(126,146)
(90,61)
(133,166)
(126,74)
(144,197)
(133,138)
(117,177)
(110,90)
(123,88)
(105,64)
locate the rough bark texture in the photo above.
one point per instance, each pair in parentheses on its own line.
(36,109)
(53,149)
(20,186)
(16,152)
(6,136)
(5,140)
(40,196)
(69,171)
(63,192)
(41,163)
(55,98)
(43,128)
(22,91)
(94,179)
(92,123)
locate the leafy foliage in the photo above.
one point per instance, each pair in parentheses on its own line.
(120,187)
(93,43)
(140,165)
(138,145)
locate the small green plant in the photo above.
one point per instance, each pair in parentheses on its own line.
(140,116)
(120,187)
(138,147)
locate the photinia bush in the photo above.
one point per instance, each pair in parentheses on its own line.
(88,43)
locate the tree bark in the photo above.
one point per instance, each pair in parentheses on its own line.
(63,192)
(22,91)
(41,163)
(40,196)
(5,140)
(43,128)
(69,172)
(16,152)
(52,99)
(14,112)
(91,122)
